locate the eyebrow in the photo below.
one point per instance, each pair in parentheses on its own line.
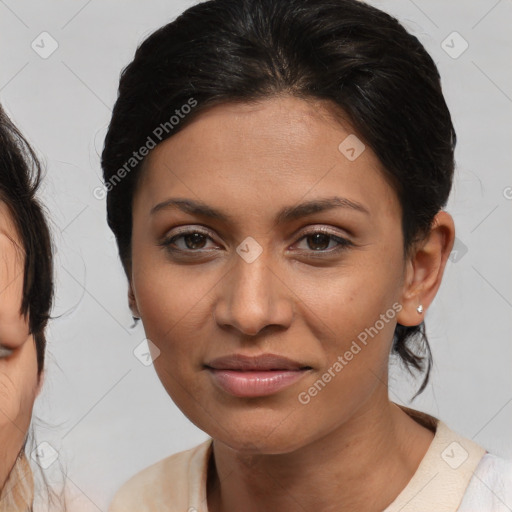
(287,214)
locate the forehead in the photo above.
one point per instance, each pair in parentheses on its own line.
(263,154)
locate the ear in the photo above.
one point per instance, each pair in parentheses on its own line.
(424,269)
(132,301)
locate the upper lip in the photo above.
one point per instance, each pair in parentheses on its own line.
(261,362)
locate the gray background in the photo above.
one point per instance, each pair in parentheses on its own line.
(102,410)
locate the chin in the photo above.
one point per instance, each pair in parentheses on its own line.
(256,432)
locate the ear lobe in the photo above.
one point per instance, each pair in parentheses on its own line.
(425,269)
(132,301)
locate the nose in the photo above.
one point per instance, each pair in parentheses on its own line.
(253,296)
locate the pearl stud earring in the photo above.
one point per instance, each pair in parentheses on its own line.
(419,309)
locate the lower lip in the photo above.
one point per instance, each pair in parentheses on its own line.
(255,383)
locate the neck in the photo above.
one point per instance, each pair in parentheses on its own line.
(362,465)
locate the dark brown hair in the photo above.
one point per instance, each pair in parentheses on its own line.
(20,176)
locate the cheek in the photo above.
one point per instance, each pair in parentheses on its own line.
(351,313)
(169,298)
(18,384)
(173,303)
(348,299)
(14,328)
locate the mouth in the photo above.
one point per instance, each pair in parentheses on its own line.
(244,376)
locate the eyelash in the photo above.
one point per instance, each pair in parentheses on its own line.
(343,243)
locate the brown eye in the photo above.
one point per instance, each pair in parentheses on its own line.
(191,241)
(194,240)
(320,241)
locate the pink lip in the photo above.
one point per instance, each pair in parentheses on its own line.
(263,375)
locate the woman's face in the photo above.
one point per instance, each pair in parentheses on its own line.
(18,358)
(255,282)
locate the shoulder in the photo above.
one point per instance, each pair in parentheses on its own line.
(18,490)
(164,485)
(490,488)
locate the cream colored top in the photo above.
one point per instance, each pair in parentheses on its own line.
(18,492)
(178,483)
